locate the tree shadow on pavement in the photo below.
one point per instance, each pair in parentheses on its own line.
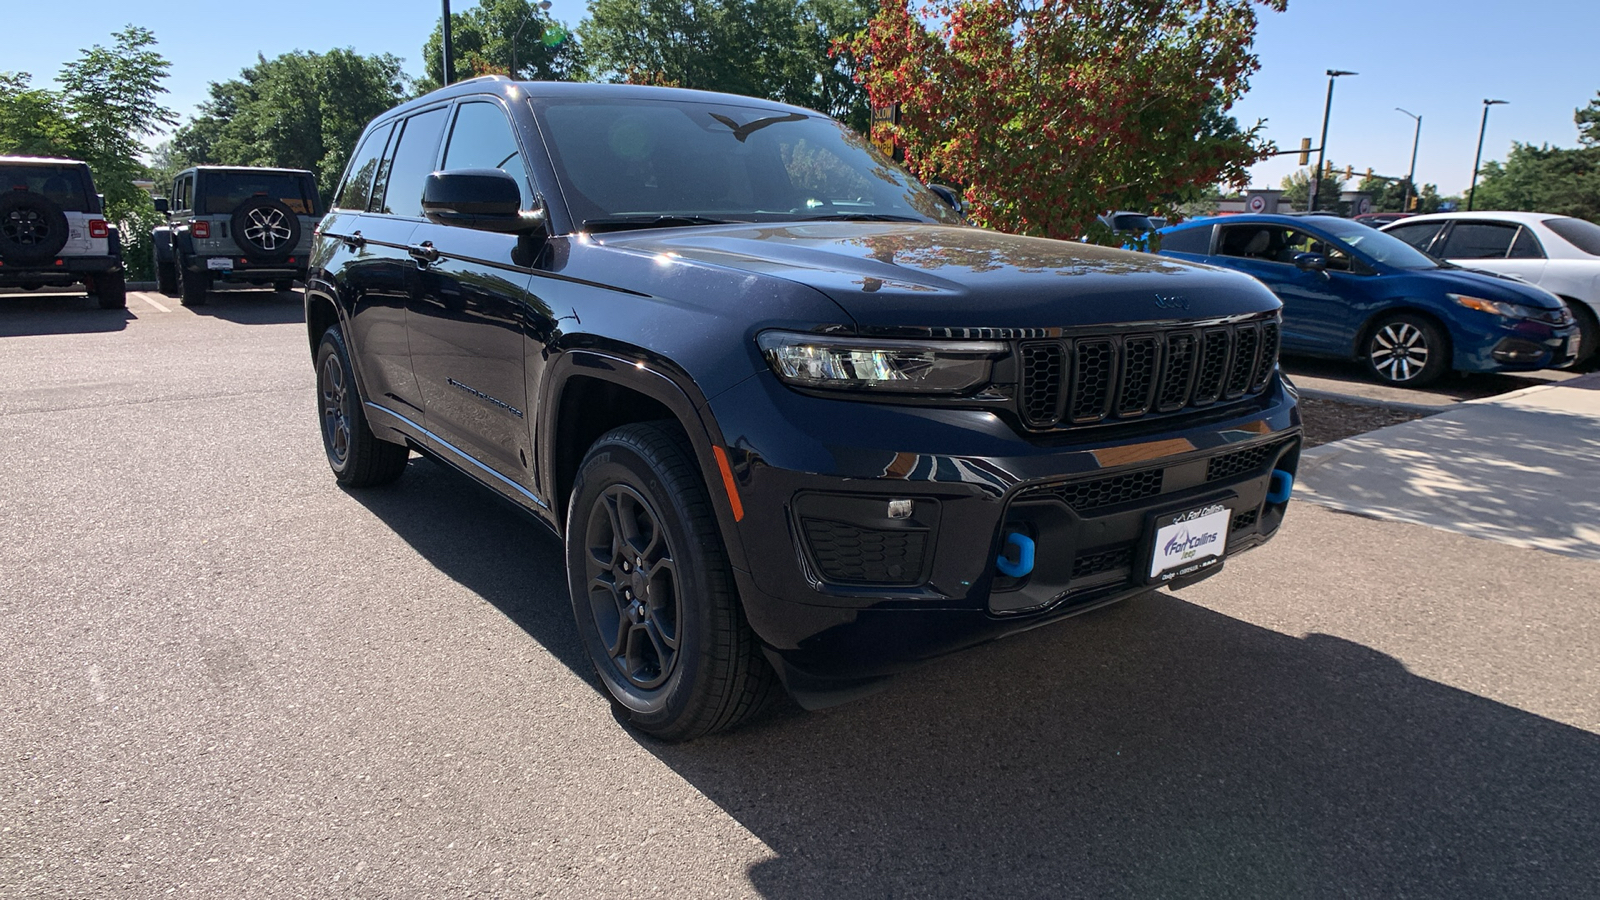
(254,307)
(1158,749)
(40,314)
(1524,476)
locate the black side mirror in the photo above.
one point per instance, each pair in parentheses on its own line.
(161,205)
(948,195)
(485,199)
(1311,262)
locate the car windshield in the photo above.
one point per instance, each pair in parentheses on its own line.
(1577,232)
(638,163)
(222,192)
(61,185)
(1377,246)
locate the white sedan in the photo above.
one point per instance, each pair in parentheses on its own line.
(1558,253)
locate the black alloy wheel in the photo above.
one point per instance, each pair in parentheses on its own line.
(1407,350)
(357,457)
(652,590)
(32,228)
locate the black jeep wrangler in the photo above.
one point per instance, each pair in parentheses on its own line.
(53,231)
(234,224)
(795,423)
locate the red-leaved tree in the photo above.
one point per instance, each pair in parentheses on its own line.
(1050,112)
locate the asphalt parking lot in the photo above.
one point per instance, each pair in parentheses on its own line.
(226,677)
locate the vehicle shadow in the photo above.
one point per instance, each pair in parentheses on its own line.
(254,306)
(1456,386)
(1155,748)
(1159,749)
(72,313)
(1524,476)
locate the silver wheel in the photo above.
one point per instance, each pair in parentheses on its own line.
(267,228)
(1399,351)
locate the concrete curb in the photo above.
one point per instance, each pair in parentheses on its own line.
(141,285)
(1354,400)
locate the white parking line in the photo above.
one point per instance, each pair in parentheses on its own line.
(156,304)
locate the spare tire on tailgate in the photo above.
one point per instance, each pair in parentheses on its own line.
(32,229)
(266,230)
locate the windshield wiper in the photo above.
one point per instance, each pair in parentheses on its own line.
(863,217)
(623,223)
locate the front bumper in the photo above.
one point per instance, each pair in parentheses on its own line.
(64,270)
(839,589)
(1517,346)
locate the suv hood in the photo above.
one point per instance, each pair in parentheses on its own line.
(905,277)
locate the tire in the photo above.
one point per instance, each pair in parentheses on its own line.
(1589,328)
(265,229)
(192,286)
(358,457)
(32,228)
(166,274)
(283,287)
(676,589)
(1395,345)
(111,289)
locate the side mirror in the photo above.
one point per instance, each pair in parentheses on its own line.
(484,199)
(948,195)
(161,205)
(1311,262)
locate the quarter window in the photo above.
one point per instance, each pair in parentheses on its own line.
(1526,246)
(1479,240)
(412,162)
(482,139)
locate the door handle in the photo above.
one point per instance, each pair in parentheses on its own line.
(354,241)
(424,253)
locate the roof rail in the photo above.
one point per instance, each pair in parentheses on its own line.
(480,78)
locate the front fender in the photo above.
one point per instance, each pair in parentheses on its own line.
(161,238)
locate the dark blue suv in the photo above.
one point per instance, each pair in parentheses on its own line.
(796,423)
(1352,292)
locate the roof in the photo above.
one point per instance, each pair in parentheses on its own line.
(1499,216)
(1258,219)
(35,160)
(250,169)
(575,90)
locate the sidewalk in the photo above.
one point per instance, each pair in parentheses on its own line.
(1521,468)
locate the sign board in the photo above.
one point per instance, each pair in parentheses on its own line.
(1258,203)
(883,117)
(1364,207)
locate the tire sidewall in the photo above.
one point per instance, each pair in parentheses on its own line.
(332,344)
(238,222)
(615,461)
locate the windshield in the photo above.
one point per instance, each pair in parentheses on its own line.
(1377,246)
(628,163)
(62,185)
(222,192)
(1579,233)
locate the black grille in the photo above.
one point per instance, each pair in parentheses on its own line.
(854,555)
(1245,520)
(1093,369)
(1085,496)
(1239,461)
(1081,381)
(1087,565)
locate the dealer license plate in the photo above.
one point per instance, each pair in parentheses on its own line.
(219,263)
(1188,542)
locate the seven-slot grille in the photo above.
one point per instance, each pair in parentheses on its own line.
(1083,380)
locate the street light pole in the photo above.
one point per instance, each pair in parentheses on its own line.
(1322,146)
(445,56)
(544,6)
(1478,157)
(1405,203)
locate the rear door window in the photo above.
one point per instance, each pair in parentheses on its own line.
(1188,240)
(412,162)
(1479,240)
(1417,234)
(223,192)
(62,185)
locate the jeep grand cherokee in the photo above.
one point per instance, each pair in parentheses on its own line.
(795,423)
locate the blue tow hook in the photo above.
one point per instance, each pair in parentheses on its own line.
(1281,486)
(1024,562)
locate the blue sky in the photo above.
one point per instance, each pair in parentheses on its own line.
(1437,58)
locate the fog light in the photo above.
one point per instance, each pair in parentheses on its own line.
(900,509)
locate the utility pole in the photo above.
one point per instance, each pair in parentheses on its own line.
(1322,148)
(449,64)
(1478,157)
(1405,204)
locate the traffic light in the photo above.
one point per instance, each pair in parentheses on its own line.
(1369,173)
(1305,151)
(1349,172)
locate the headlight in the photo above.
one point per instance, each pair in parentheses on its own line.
(923,367)
(1561,316)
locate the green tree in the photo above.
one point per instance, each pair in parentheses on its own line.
(108,103)
(1587,119)
(1389,195)
(1052,111)
(484,37)
(1297,190)
(1543,179)
(780,50)
(300,110)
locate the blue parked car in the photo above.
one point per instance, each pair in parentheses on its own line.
(1352,292)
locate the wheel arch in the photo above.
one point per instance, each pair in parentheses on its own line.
(590,392)
(1365,332)
(1588,322)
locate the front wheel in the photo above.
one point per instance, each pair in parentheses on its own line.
(166,274)
(1407,350)
(358,457)
(192,286)
(652,590)
(111,290)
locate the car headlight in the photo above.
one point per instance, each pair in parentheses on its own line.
(922,367)
(1561,316)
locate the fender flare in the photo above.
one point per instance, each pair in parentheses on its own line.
(662,382)
(162,238)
